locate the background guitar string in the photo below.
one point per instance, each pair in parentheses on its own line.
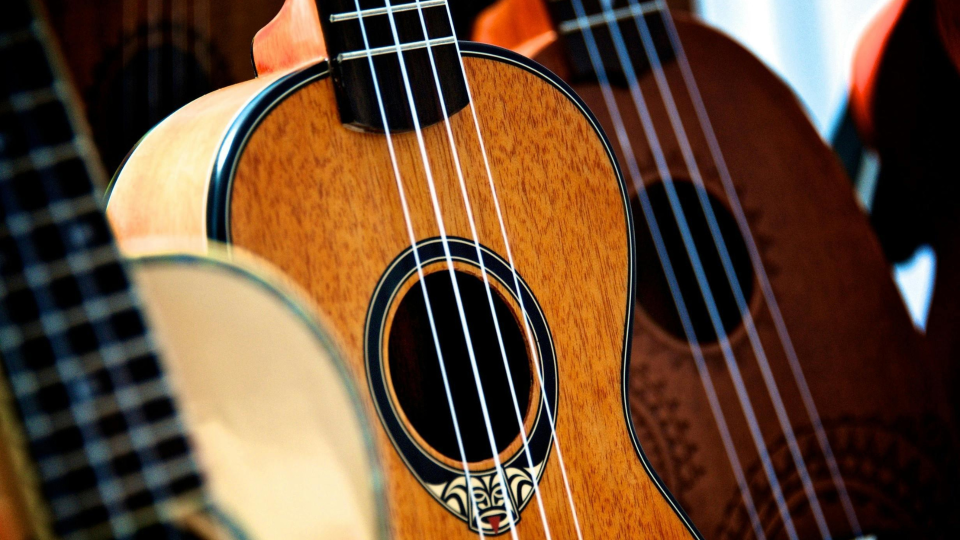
(136,61)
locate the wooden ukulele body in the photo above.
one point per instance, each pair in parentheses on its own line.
(152,58)
(168,418)
(268,166)
(883,411)
(299,420)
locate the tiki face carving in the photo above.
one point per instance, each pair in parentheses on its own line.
(487,494)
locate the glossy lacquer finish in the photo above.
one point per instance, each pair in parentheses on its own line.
(269,166)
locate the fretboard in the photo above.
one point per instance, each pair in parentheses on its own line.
(579,21)
(385,25)
(108,448)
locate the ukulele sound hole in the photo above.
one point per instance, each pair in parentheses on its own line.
(653,291)
(416,376)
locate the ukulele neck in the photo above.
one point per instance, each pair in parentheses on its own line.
(593,30)
(85,402)
(372,34)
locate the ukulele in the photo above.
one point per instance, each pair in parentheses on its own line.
(776,381)
(459,215)
(246,427)
(134,62)
(903,98)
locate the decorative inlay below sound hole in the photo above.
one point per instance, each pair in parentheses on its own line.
(408,389)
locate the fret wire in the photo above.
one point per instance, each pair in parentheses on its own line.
(117,490)
(178,467)
(42,158)
(55,325)
(99,454)
(55,213)
(28,99)
(135,347)
(414,45)
(76,377)
(86,413)
(83,137)
(72,264)
(637,10)
(61,420)
(372,12)
(54,322)
(130,485)
(108,448)
(10,337)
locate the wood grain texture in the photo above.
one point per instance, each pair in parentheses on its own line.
(321,202)
(868,370)
(162,189)
(335,224)
(293,38)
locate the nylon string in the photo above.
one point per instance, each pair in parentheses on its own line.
(516,282)
(431,185)
(730,361)
(702,282)
(761,273)
(483,271)
(416,254)
(757,346)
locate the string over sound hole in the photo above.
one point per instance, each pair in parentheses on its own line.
(653,291)
(417,379)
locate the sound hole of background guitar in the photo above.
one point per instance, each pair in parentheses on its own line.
(653,292)
(415,371)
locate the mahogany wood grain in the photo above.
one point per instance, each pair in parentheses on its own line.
(281,201)
(293,38)
(868,370)
(321,202)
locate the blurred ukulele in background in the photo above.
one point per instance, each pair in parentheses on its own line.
(101,435)
(136,61)
(776,380)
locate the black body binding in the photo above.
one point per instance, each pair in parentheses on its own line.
(228,157)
